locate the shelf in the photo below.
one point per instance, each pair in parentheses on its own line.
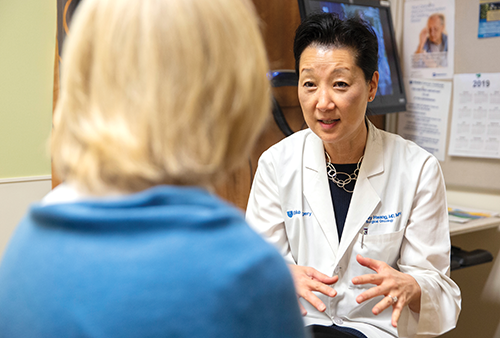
(474,225)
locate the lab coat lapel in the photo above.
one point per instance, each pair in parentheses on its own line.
(364,199)
(317,189)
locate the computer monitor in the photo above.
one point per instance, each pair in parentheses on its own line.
(391,95)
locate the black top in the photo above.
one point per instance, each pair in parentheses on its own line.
(341,198)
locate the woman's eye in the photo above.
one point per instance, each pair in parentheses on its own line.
(340,84)
(308,84)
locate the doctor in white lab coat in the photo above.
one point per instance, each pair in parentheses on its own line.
(381,270)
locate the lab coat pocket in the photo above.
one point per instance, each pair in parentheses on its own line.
(381,247)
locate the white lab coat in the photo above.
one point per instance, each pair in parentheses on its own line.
(399,200)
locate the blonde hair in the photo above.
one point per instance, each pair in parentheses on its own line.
(159,92)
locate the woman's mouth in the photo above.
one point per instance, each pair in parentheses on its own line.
(328,123)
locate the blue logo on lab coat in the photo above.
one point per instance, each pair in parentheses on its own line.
(292,213)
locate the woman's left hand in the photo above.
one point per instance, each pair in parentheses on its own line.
(399,289)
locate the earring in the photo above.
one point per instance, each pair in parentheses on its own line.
(371,98)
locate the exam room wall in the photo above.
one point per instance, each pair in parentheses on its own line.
(480,285)
(27,44)
(473,183)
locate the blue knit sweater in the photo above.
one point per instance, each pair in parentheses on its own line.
(166,262)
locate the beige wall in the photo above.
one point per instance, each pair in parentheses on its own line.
(480,285)
(27,44)
(15,198)
(472,55)
(27,48)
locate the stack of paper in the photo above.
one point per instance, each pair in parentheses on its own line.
(463,215)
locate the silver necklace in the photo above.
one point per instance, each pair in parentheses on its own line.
(333,174)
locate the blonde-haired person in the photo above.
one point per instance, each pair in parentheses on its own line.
(159,99)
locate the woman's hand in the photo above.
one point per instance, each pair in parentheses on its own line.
(399,289)
(307,280)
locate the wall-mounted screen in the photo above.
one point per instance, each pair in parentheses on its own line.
(390,96)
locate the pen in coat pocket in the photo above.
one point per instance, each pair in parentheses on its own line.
(365,232)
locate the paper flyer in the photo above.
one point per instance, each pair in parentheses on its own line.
(426,120)
(489,19)
(475,127)
(429,42)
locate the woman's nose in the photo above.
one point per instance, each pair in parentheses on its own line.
(325,101)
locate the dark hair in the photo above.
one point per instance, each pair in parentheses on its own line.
(326,29)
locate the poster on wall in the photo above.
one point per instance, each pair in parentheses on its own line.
(425,121)
(475,127)
(489,19)
(428,44)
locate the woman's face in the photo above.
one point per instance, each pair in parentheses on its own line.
(333,94)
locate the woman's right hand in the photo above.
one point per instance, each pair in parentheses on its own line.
(307,280)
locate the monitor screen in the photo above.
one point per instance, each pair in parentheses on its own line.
(390,94)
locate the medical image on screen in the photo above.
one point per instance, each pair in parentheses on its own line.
(372,16)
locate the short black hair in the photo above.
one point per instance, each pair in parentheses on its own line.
(326,29)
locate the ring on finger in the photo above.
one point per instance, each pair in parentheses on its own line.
(394,299)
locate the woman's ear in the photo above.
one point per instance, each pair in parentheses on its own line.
(373,85)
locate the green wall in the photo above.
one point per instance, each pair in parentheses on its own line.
(27,47)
